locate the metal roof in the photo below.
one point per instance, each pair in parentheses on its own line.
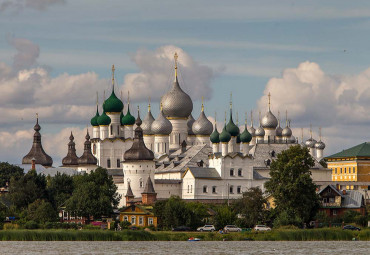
(204,173)
(361,150)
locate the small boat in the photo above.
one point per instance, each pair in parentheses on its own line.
(193,239)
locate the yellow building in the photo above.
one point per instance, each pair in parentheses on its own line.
(351,165)
(138,215)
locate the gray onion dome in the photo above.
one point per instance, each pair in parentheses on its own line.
(176,103)
(320,145)
(279,130)
(286,131)
(202,126)
(161,126)
(292,139)
(269,121)
(147,123)
(260,131)
(190,123)
(310,143)
(252,131)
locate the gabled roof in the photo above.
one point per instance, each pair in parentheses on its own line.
(361,150)
(203,173)
(144,209)
(333,188)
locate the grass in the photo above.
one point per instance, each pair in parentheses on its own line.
(324,234)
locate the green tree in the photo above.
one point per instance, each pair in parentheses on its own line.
(7,171)
(175,213)
(41,211)
(94,194)
(197,213)
(27,189)
(225,216)
(251,207)
(291,185)
(59,189)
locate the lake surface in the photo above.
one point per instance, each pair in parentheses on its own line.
(155,247)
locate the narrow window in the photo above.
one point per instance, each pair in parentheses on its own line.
(150,221)
(141,220)
(214,189)
(341,171)
(108,163)
(118,130)
(232,172)
(118,163)
(94,148)
(125,218)
(111,130)
(239,189)
(191,188)
(188,188)
(231,189)
(345,170)
(204,189)
(133,220)
(239,172)
(354,170)
(141,183)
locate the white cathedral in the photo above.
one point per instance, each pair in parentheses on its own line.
(175,154)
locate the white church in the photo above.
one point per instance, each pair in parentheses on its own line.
(175,154)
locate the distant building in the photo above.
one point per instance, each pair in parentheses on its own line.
(351,166)
(336,202)
(138,215)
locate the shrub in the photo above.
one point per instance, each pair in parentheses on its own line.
(125,224)
(92,227)
(31,225)
(8,226)
(152,227)
(361,220)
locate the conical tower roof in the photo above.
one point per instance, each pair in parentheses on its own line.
(129,191)
(37,152)
(71,158)
(149,188)
(87,157)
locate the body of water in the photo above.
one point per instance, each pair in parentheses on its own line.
(156,247)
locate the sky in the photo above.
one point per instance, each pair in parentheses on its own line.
(312,56)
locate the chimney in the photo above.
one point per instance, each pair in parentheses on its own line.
(33,166)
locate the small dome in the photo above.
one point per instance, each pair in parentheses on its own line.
(286,131)
(176,103)
(245,137)
(279,131)
(260,131)
(113,104)
(202,126)
(269,121)
(128,119)
(215,136)
(94,120)
(104,119)
(292,139)
(252,131)
(147,123)
(231,127)
(225,136)
(310,143)
(161,126)
(87,157)
(320,145)
(190,123)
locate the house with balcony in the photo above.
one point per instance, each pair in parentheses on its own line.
(335,202)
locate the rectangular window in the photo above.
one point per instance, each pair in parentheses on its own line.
(214,189)
(141,220)
(150,221)
(111,130)
(349,170)
(341,170)
(345,170)
(118,163)
(335,170)
(117,130)
(232,172)
(125,218)
(240,172)
(231,189)
(108,163)
(188,188)
(239,189)
(204,189)
(354,170)
(133,220)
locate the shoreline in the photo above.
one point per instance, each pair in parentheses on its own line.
(327,234)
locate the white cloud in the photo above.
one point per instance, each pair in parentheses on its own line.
(156,74)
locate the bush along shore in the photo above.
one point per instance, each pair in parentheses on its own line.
(325,234)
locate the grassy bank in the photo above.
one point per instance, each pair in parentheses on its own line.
(129,235)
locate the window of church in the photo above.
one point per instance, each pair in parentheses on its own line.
(214,189)
(231,189)
(118,163)
(141,183)
(108,163)
(111,130)
(240,172)
(117,130)
(239,189)
(94,148)
(204,189)
(150,221)
(232,172)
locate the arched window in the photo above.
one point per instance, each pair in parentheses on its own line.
(141,183)
(94,148)
(205,189)
(118,130)
(111,130)
(108,163)
(118,163)
(240,172)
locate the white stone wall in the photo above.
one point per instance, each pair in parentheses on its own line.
(149,142)
(161,144)
(179,132)
(112,150)
(115,125)
(168,190)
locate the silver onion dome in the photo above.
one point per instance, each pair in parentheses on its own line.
(320,145)
(310,143)
(190,122)
(286,131)
(161,126)
(202,126)
(260,131)
(147,123)
(292,139)
(269,121)
(279,131)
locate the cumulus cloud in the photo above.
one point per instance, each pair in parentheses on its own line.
(157,73)
(20,5)
(338,103)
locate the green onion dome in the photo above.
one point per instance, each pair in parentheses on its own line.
(225,136)
(128,119)
(245,137)
(94,120)
(231,128)
(121,117)
(113,104)
(215,136)
(238,139)
(104,119)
